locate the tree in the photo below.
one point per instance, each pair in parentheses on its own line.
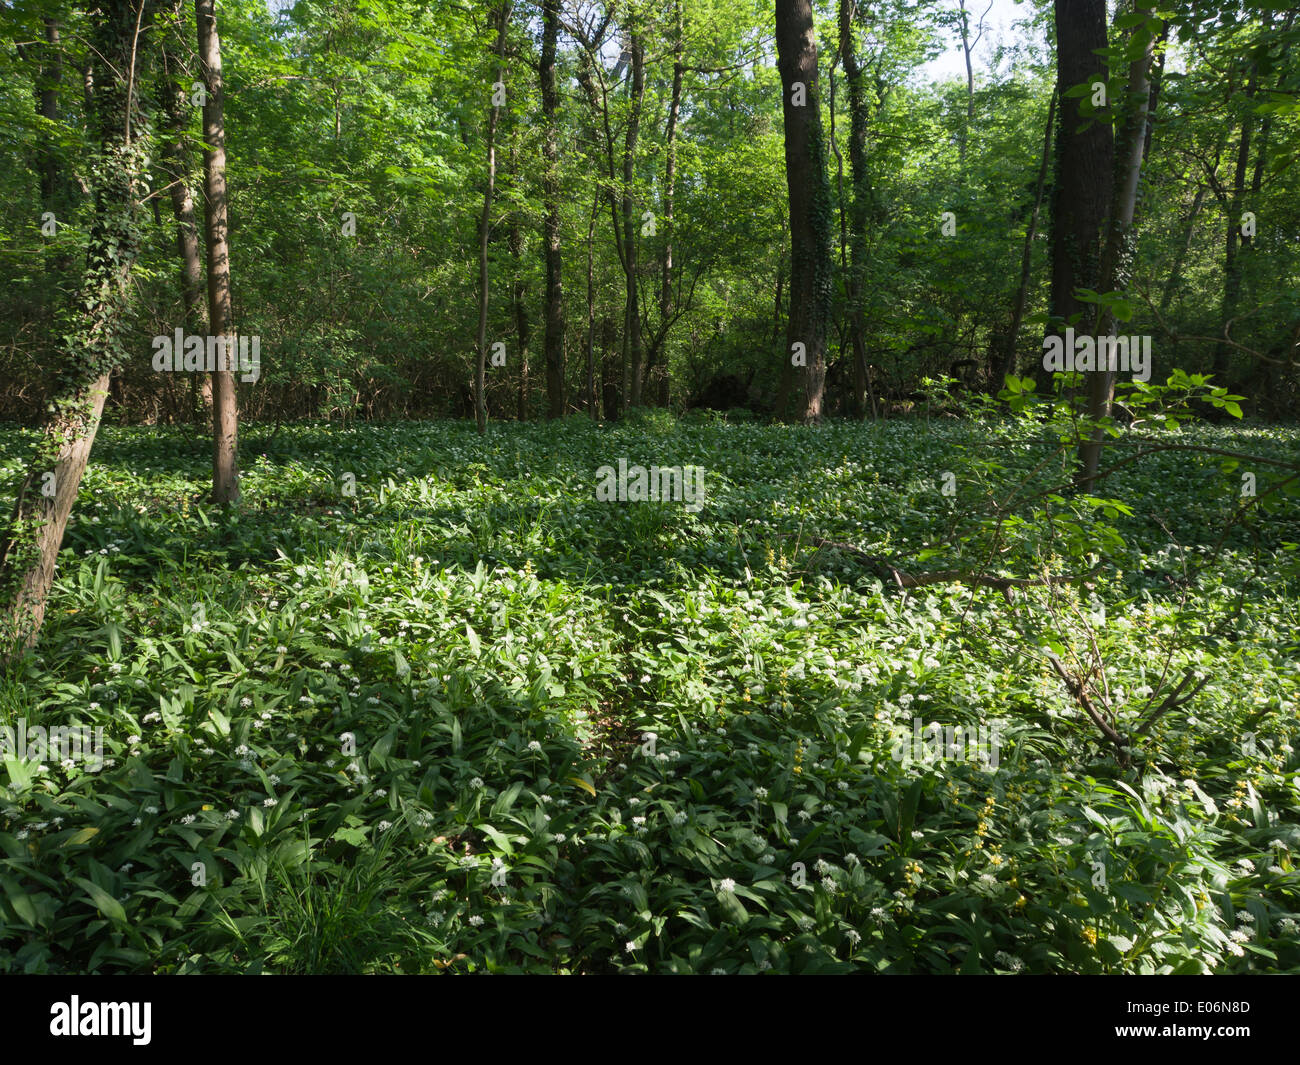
(860,206)
(225,409)
(1084,161)
(1117,254)
(177,168)
(501,19)
(809,193)
(553,301)
(92,348)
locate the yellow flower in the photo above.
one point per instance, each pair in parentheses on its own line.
(1090,934)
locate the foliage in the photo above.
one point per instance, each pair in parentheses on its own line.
(500,648)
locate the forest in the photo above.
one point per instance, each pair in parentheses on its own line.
(629,487)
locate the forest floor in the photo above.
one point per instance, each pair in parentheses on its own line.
(423,703)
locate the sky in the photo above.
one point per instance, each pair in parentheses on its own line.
(997,27)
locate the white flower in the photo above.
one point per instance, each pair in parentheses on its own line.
(476,782)
(533,745)
(760,793)
(188,819)
(629,947)
(269,802)
(384,826)
(727,885)
(476,920)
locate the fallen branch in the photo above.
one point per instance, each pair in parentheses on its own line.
(886,570)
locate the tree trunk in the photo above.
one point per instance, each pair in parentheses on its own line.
(523,327)
(861,210)
(810,202)
(1233,240)
(632,366)
(225,411)
(1117,255)
(501,16)
(1008,363)
(93,347)
(592,406)
(553,343)
(47,92)
(1084,166)
(177,166)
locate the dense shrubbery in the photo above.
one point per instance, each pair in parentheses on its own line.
(499,648)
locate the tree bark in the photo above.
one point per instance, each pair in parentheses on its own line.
(523,327)
(632,366)
(93,346)
(501,16)
(178,169)
(861,210)
(225,411)
(1117,254)
(1084,166)
(810,204)
(1233,237)
(1008,364)
(592,406)
(553,342)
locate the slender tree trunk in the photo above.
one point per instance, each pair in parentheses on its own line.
(1117,255)
(553,342)
(966,48)
(1184,249)
(225,411)
(47,93)
(861,210)
(523,327)
(1084,175)
(1008,363)
(501,17)
(633,369)
(93,345)
(670,184)
(592,407)
(810,201)
(177,166)
(1231,267)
